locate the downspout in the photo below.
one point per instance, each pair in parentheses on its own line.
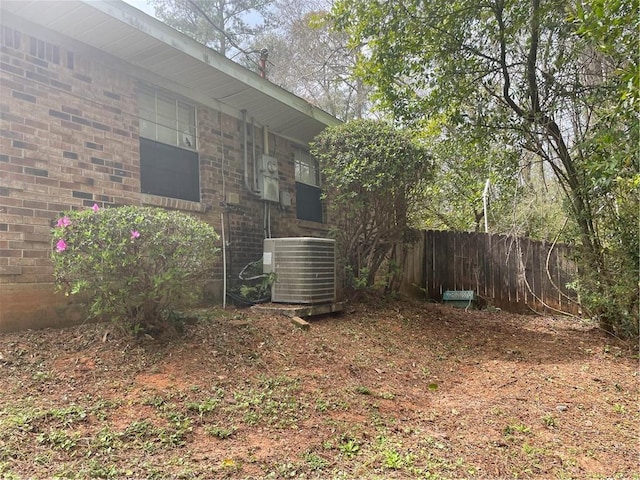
(256,187)
(267,206)
(245,154)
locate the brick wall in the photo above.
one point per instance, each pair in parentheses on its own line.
(69,139)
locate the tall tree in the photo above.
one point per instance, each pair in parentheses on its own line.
(227,26)
(292,42)
(309,58)
(519,68)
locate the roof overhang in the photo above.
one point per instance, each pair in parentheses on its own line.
(149,45)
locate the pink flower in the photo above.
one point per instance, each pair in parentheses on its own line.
(95,207)
(61,246)
(134,234)
(63,222)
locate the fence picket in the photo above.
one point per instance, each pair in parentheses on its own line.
(516,274)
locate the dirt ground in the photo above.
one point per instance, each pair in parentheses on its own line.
(386,389)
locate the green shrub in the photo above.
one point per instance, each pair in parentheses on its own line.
(374,177)
(136,264)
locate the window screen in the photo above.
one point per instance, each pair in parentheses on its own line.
(169,164)
(308,192)
(307,170)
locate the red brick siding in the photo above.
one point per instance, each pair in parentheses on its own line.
(69,139)
(66,134)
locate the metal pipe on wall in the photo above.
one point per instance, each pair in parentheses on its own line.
(246,155)
(265,140)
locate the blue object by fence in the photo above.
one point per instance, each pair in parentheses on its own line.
(459,298)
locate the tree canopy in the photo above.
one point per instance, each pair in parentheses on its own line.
(311,59)
(223,25)
(534,76)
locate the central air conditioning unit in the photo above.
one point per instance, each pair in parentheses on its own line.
(304,268)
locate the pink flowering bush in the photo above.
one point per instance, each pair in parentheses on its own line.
(137,265)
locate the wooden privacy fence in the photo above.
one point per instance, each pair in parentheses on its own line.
(515,274)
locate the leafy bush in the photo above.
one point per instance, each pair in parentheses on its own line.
(374,174)
(137,264)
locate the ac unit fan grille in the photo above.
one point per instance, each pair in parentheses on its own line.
(304,269)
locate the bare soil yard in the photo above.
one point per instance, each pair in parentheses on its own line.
(397,389)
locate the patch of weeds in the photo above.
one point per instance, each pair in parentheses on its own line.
(44,458)
(106,440)
(391,456)
(531,451)
(517,428)
(431,442)
(139,430)
(157,401)
(378,420)
(206,406)
(220,432)
(252,418)
(66,416)
(59,439)
(619,408)
(42,376)
(324,403)
(283,470)
(97,469)
(175,437)
(150,437)
(100,407)
(153,472)
(30,420)
(180,424)
(386,395)
(314,461)
(171,438)
(321,405)
(433,467)
(363,390)
(549,421)
(6,473)
(23,421)
(273,401)
(392,459)
(349,447)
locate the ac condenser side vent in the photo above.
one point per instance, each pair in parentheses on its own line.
(304,269)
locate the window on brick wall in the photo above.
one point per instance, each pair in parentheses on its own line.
(308,192)
(169,164)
